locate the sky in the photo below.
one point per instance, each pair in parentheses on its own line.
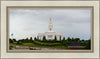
(26,23)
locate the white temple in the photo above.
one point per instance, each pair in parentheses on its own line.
(50,34)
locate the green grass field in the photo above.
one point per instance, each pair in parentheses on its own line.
(36,45)
(42,44)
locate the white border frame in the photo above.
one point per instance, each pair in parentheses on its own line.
(95,54)
(51,7)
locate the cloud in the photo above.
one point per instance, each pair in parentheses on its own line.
(29,22)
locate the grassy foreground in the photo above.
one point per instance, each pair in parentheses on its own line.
(61,44)
(42,44)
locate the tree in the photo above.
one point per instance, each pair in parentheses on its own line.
(60,38)
(14,40)
(72,40)
(64,41)
(55,38)
(19,42)
(69,39)
(44,38)
(10,40)
(35,39)
(77,39)
(63,38)
(82,41)
(26,41)
(88,44)
(23,40)
(31,40)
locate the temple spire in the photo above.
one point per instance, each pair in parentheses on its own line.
(50,26)
(50,19)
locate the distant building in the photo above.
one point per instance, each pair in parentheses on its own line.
(50,34)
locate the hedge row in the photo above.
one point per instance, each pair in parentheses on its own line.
(47,44)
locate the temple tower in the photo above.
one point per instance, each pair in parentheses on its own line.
(50,26)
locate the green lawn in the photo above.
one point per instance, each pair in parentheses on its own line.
(36,45)
(47,44)
(39,44)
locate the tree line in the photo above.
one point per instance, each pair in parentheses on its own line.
(64,41)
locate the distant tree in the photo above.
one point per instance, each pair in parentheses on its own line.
(23,40)
(10,40)
(44,38)
(63,38)
(88,44)
(14,40)
(82,41)
(64,42)
(72,40)
(60,38)
(77,39)
(69,39)
(26,40)
(55,39)
(35,39)
(19,42)
(31,40)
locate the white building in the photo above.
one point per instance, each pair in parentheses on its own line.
(50,34)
